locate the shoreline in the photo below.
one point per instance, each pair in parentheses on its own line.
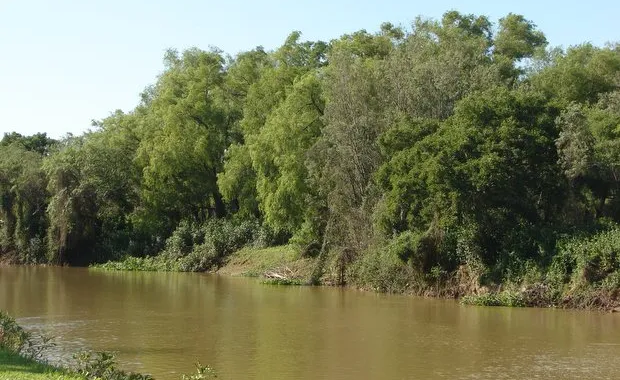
(22,357)
(283,265)
(14,366)
(253,263)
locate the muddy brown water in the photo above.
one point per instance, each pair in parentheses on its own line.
(162,323)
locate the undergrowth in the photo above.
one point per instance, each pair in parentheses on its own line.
(196,248)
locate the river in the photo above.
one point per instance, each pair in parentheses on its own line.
(162,323)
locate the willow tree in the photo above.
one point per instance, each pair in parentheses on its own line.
(185,130)
(284,101)
(71,207)
(94,187)
(279,153)
(438,63)
(23,200)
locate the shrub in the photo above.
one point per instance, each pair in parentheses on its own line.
(15,339)
(182,240)
(504,298)
(202,373)
(32,251)
(195,248)
(587,260)
(382,271)
(102,365)
(12,336)
(129,263)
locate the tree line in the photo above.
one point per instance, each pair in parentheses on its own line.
(455,147)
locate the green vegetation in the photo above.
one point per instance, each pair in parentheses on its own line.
(198,247)
(21,358)
(202,373)
(455,158)
(101,365)
(282,281)
(16,367)
(19,355)
(255,262)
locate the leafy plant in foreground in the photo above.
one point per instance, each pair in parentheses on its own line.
(202,373)
(102,365)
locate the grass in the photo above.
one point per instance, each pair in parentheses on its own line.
(249,261)
(255,262)
(16,367)
(504,298)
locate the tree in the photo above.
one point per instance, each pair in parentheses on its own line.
(491,167)
(345,157)
(22,202)
(279,152)
(579,75)
(439,63)
(94,188)
(274,84)
(38,142)
(588,146)
(518,38)
(184,134)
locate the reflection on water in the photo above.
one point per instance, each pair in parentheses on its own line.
(162,323)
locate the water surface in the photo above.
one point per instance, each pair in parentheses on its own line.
(162,323)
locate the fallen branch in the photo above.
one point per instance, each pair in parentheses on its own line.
(275,275)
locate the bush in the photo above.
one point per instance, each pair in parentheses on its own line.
(12,336)
(102,365)
(15,339)
(504,298)
(183,239)
(202,373)
(383,271)
(129,263)
(220,238)
(32,251)
(586,261)
(196,248)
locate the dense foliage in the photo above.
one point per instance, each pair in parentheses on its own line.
(449,157)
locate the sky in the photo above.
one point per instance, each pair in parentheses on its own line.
(64,63)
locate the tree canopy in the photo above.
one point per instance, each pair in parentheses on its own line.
(455,143)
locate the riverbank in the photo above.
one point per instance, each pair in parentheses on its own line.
(16,367)
(164,322)
(258,262)
(20,353)
(386,276)
(286,264)
(21,358)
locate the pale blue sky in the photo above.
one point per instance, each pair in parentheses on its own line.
(65,62)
